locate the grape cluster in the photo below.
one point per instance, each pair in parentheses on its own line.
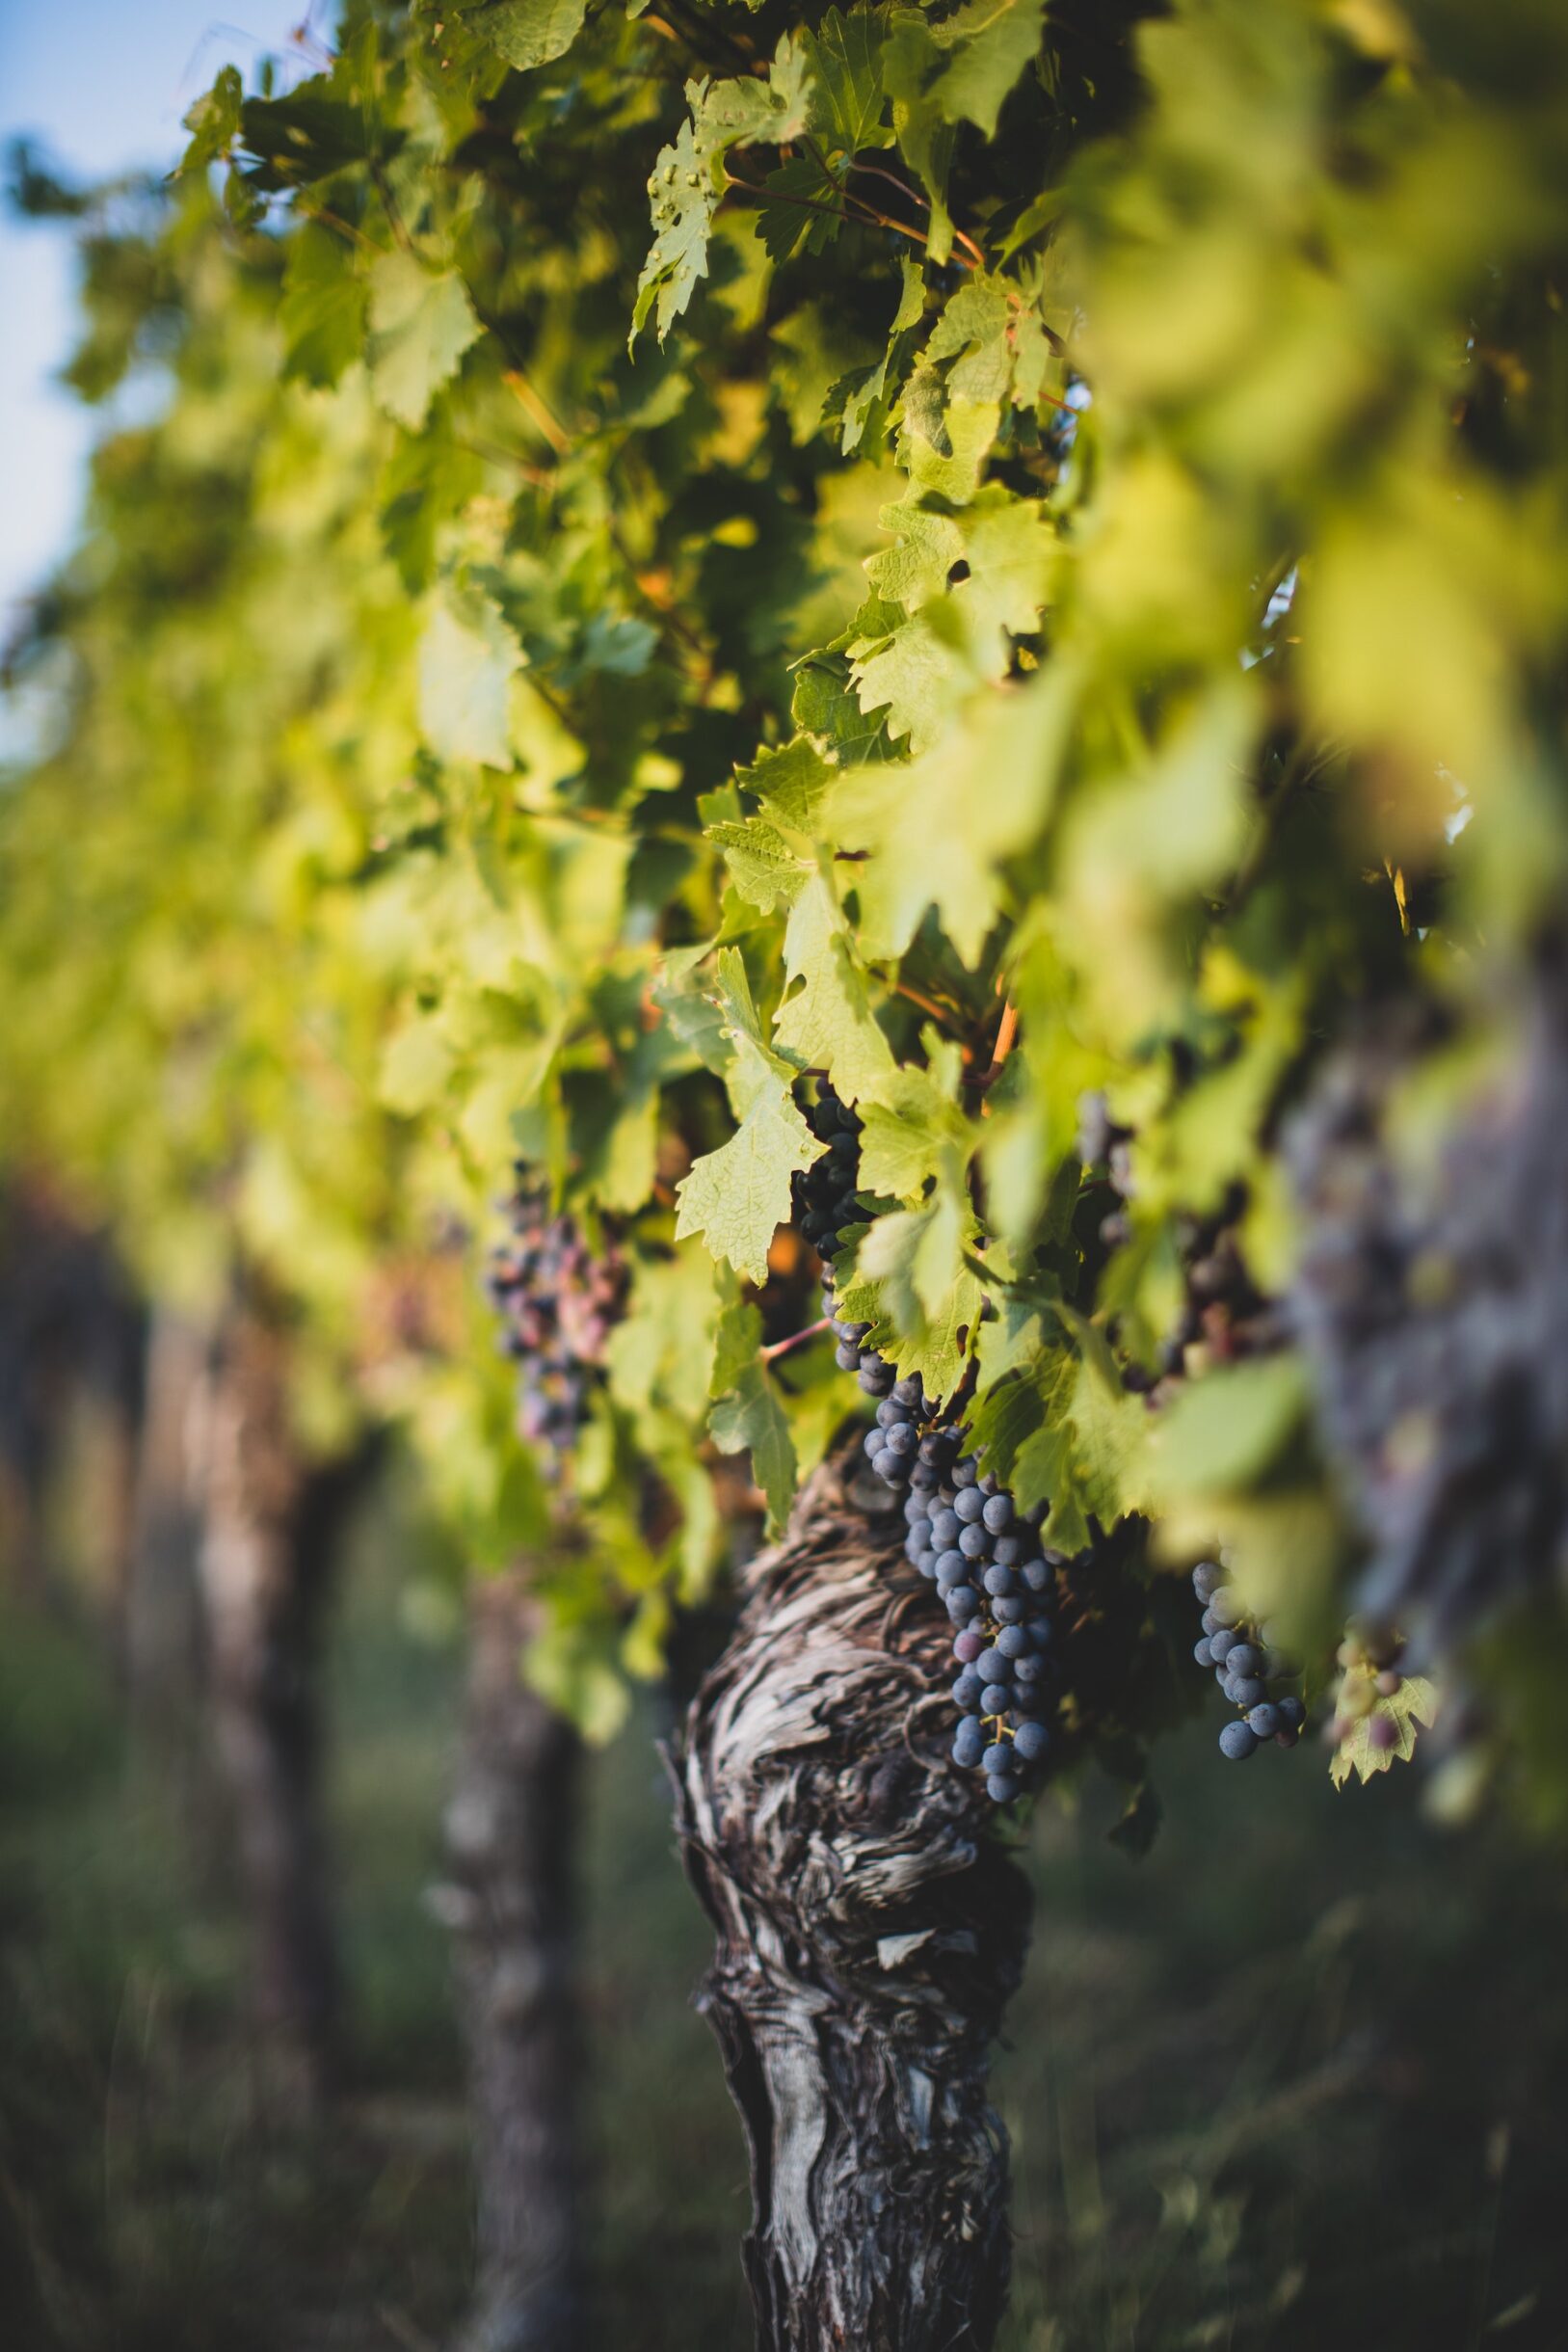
(559,1299)
(965,1532)
(1244,1666)
(1432,1305)
(1369,1660)
(1224,1316)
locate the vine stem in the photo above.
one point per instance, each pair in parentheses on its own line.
(535,406)
(832,212)
(796,1339)
(1006,1038)
(927,1004)
(915,198)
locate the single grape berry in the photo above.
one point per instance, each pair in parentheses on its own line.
(969,1743)
(1237,1742)
(1029,1740)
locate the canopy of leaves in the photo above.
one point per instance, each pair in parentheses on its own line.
(1067,593)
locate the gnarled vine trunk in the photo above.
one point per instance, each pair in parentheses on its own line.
(512,1828)
(270,1526)
(869,1932)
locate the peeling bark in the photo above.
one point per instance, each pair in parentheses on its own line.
(512,1828)
(270,1524)
(869,1931)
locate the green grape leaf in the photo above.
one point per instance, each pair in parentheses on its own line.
(1008,548)
(688,178)
(466,658)
(737,1196)
(944,442)
(322,312)
(817,347)
(847,98)
(421,323)
(214,121)
(824,702)
(912,1284)
(1413,1704)
(1087,1456)
(921,673)
(748,1414)
(863,400)
(525,33)
(416,1066)
(1224,1431)
(984,794)
(827,1023)
(658,1355)
(914,1131)
(771,856)
(985,45)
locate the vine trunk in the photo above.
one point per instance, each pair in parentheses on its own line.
(512,1831)
(869,1931)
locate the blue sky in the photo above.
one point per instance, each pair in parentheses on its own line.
(100,84)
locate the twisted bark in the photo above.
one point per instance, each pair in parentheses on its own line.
(869,1932)
(512,1828)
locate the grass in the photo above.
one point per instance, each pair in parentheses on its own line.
(1299,2079)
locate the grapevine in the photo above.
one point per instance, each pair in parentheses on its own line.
(966,1535)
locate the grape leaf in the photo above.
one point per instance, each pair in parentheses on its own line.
(828,1021)
(1413,1704)
(214,121)
(771,856)
(688,178)
(748,1414)
(525,33)
(467,657)
(983,794)
(659,1355)
(421,323)
(1006,546)
(921,673)
(911,1284)
(984,46)
(737,1196)
(847,98)
(913,1131)
(322,312)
